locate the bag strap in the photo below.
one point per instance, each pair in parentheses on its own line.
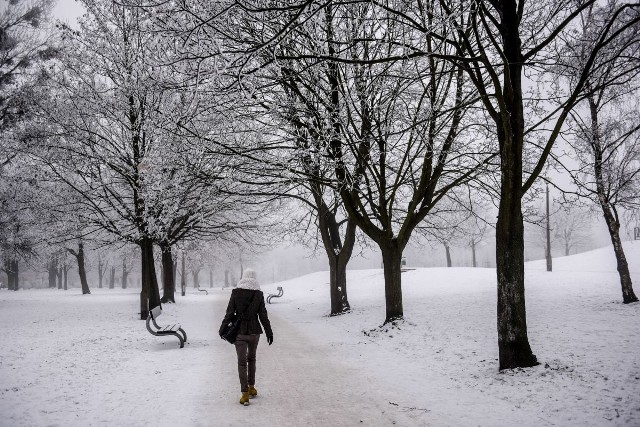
(249,306)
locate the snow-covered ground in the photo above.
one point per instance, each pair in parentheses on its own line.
(73,360)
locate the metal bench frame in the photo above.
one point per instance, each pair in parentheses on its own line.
(164,330)
(278,295)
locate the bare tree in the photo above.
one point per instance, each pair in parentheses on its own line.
(571,227)
(287,164)
(495,43)
(606,136)
(389,130)
(24,44)
(609,143)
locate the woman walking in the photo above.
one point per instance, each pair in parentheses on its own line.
(247,298)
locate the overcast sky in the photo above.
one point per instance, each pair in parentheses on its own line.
(68,10)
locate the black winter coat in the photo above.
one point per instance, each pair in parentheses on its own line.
(239,302)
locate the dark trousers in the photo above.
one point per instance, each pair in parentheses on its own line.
(246,346)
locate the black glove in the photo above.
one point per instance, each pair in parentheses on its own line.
(270,339)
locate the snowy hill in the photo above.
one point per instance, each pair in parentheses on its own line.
(79,360)
(584,337)
(598,260)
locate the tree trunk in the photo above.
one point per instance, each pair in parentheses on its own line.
(81,269)
(65,273)
(16,277)
(150,293)
(338,253)
(338,285)
(566,248)
(210,279)
(608,209)
(52,271)
(448,252)
(5,269)
(548,247)
(473,253)
(11,278)
(513,342)
(112,277)
(183,277)
(226,278)
(628,296)
(196,279)
(125,274)
(59,274)
(168,274)
(101,268)
(175,270)
(12,269)
(392,263)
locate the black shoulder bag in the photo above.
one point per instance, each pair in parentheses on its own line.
(230,330)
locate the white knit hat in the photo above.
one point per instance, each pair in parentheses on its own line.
(249,273)
(249,280)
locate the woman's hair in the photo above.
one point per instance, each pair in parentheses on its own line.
(249,273)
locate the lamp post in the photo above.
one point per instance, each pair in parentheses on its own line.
(548,249)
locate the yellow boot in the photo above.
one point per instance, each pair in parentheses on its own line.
(244,400)
(252,392)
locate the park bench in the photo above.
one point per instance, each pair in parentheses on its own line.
(203,290)
(164,330)
(278,295)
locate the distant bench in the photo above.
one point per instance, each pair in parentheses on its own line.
(278,295)
(164,330)
(203,290)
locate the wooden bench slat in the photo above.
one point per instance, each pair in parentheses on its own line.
(175,329)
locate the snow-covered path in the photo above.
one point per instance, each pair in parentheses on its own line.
(110,371)
(299,382)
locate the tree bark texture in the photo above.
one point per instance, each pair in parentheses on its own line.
(338,285)
(168,274)
(392,264)
(150,293)
(448,253)
(513,342)
(82,272)
(338,253)
(628,296)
